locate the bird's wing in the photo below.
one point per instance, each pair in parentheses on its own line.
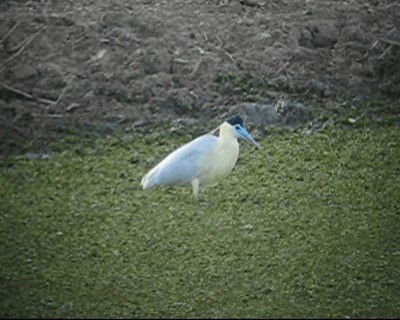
(182,165)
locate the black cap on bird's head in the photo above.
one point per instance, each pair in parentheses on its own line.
(240,130)
(235,120)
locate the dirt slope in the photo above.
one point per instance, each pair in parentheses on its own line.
(75,62)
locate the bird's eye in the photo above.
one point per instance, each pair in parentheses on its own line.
(237,127)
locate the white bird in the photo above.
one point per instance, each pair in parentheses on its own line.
(202,161)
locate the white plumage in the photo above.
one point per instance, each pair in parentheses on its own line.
(202,161)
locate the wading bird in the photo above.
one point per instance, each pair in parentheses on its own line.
(202,161)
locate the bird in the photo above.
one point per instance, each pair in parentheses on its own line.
(202,161)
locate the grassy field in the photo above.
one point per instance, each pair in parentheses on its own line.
(306,227)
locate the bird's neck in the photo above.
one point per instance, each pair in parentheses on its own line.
(226,133)
(227,138)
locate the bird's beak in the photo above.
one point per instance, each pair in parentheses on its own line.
(247,136)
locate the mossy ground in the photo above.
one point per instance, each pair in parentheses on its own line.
(306,227)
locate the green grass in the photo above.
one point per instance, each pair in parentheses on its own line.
(306,227)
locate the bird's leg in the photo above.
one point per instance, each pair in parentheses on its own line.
(196,187)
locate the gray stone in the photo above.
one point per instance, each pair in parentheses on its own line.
(259,114)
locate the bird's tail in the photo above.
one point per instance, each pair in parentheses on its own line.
(148,180)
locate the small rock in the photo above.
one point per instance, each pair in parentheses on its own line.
(259,114)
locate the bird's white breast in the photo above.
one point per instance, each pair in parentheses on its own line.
(220,161)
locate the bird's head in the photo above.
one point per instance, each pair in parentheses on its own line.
(239,130)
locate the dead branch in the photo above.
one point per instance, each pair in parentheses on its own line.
(49,115)
(229,56)
(365,56)
(201,50)
(183,61)
(283,67)
(64,90)
(196,68)
(19,45)
(10,31)
(55,115)
(25,94)
(390,41)
(27,42)
(385,52)
(221,47)
(220,41)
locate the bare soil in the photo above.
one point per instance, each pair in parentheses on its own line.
(75,63)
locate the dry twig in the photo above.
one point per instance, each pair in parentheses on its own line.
(64,90)
(385,40)
(221,47)
(196,68)
(390,41)
(25,94)
(25,44)
(229,56)
(385,52)
(365,56)
(10,31)
(183,61)
(283,67)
